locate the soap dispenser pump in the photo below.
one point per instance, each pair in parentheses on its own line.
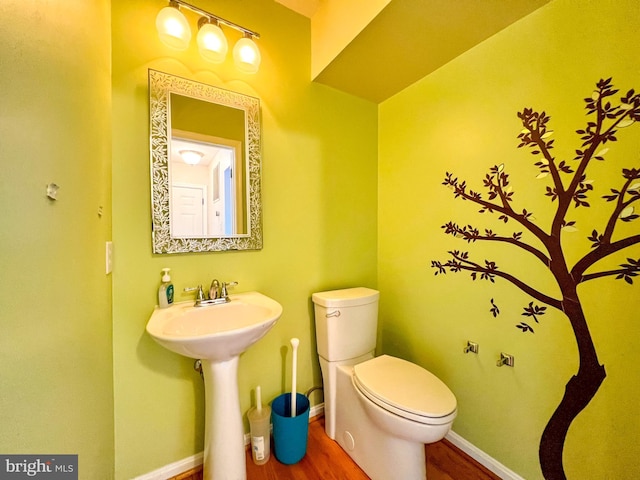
(165,292)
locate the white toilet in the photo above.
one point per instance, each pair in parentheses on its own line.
(380,410)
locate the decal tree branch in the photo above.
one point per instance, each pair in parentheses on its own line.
(569,185)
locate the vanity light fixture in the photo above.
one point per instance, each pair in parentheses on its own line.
(212,43)
(191,157)
(246,55)
(174,31)
(173,27)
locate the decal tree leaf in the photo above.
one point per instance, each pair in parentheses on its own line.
(569,185)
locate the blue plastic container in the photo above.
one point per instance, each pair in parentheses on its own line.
(290,433)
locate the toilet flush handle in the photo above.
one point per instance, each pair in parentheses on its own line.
(335,313)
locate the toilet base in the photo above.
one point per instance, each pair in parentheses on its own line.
(381,455)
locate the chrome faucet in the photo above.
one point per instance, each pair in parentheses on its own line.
(217,293)
(214,289)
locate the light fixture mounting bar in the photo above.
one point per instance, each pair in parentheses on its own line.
(228,23)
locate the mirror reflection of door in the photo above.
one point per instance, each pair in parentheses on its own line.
(206,147)
(189,210)
(229,204)
(224,195)
(207,168)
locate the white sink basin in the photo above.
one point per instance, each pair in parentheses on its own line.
(215,332)
(218,334)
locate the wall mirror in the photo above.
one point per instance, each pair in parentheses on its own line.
(205,167)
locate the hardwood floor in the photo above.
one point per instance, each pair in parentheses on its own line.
(325,460)
(446,462)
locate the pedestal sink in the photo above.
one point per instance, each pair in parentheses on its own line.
(217,335)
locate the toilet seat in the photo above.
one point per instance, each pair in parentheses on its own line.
(406,389)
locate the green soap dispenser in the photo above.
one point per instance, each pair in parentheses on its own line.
(165,292)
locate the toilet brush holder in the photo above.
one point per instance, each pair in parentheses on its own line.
(290,432)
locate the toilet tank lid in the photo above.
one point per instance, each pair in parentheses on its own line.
(347,297)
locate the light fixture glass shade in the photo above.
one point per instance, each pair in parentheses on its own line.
(212,43)
(173,28)
(246,55)
(191,157)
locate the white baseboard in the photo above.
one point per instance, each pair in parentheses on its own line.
(316,411)
(482,458)
(474,452)
(173,469)
(189,463)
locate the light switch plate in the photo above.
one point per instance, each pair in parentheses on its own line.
(109,257)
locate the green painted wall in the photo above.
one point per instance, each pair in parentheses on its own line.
(339,211)
(56,392)
(462,119)
(320,212)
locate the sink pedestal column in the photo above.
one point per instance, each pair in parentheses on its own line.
(224,453)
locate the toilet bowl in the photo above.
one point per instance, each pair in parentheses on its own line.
(404,399)
(381,410)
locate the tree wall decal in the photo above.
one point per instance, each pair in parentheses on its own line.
(568,185)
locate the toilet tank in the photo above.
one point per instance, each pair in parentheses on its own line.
(346,322)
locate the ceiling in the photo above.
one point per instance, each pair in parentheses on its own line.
(303,7)
(409,39)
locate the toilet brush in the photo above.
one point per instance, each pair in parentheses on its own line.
(294,367)
(258,400)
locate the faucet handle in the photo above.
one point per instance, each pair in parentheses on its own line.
(199,295)
(223,292)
